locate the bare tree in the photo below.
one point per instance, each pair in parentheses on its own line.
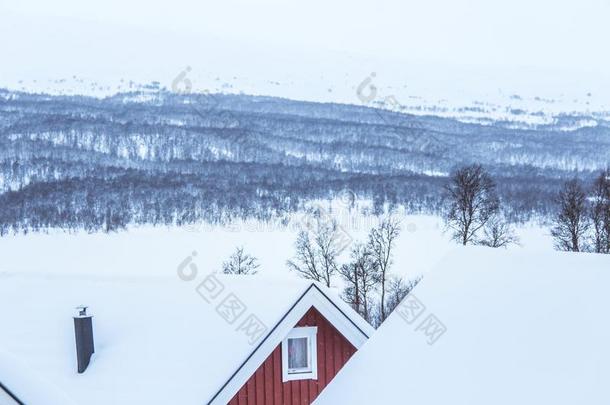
(600,213)
(571,225)
(316,252)
(498,233)
(472,202)
(305,262)
(398,289)
(361,276)
(240,263)
(381,243)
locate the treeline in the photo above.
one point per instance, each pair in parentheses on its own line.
(475,214)
(582,222)
(110,199)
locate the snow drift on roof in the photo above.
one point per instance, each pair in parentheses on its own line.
(157,341)
(521,328)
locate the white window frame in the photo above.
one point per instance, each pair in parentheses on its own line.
(311,333)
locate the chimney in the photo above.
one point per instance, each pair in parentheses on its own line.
(83,330)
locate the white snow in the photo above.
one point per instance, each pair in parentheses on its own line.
(153,250)
(31,387)
(152,330)
(522,327)
(467,62)
(157,341)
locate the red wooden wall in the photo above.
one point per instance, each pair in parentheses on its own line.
(265,387)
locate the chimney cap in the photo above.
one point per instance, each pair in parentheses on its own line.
(81,312)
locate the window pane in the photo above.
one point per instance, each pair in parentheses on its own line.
(298,357)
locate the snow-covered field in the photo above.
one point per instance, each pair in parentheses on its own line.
(142,250)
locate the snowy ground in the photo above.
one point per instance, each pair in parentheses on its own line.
(421,245)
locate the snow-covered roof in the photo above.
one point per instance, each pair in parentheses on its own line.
(158,340)
(509,327)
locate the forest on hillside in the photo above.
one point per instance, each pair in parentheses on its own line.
(157,157)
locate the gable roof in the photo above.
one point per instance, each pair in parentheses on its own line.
(353,328)
(7,397)
(157,340)
(16,384)
(521,328)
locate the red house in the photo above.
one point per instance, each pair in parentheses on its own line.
(300,356)
(215,339)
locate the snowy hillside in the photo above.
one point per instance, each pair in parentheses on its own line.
(514,106)
(157,157)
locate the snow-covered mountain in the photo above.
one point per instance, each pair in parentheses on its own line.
(516,106)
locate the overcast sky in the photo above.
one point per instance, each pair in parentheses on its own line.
(147,39)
